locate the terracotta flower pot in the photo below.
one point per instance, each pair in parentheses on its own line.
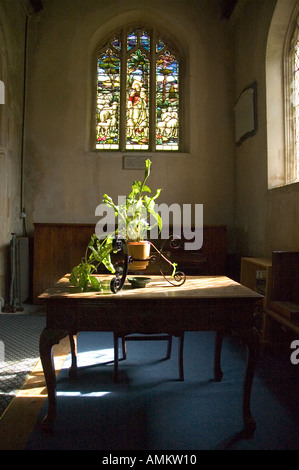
(140,253)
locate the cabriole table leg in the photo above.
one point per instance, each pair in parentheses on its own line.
(218,374)
(252,340)
(48,338)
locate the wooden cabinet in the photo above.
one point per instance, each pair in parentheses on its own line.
(256,273)
(277,279)
(281,322)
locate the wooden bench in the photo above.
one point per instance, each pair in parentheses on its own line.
(283,306)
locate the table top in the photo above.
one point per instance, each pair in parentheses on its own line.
(195,287)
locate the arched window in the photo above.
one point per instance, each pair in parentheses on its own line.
(282,93)
(138,93)
(292,105)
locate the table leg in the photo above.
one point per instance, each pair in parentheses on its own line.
(252,340)
(218,374)
(115,344)
(73,344)
(181,360)
(47,340)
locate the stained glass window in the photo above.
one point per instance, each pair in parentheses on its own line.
(137,93)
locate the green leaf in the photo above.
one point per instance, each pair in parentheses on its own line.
(73,276)
(158,221)
(174,269)
(147,167)
(108,264)
(146,188)
(95,283)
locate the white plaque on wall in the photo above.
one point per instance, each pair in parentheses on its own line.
(2,92)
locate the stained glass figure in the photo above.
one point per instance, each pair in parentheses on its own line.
(137,128)
(138,70)
(108,93)
(167,101)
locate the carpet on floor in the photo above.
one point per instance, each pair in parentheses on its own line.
(19,336)
(150,409)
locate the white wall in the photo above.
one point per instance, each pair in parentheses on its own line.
(12,36)
(64,179)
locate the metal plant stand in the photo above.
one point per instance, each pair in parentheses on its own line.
(177,278)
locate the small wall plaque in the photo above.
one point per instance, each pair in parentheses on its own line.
(2,92)
(132,162)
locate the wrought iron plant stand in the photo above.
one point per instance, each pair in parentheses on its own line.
(122,268)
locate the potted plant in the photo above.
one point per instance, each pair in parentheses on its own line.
(133,220)
(133,224)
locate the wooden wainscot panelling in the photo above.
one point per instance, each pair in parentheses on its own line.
(59,247)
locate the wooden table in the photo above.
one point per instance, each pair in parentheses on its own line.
(203,303)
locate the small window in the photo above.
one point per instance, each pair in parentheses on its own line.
(138,96)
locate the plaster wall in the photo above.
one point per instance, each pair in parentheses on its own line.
(12,37)
(266,219)
(65,179)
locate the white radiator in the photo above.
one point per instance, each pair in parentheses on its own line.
(19,248)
